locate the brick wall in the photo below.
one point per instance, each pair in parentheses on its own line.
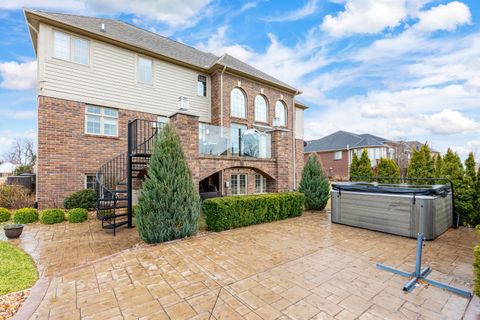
(66,153)
(335,169)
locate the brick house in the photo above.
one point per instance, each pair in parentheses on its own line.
(336,150)
(106,87)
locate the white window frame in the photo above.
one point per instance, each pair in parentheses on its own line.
(338,155)
(204,93)
(237,192)
(263,183)
(102,117)
(139,80)
(71,48)
(235,110)
(261,110)
(94,180)
(280,114)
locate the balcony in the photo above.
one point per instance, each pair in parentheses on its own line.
(234,141)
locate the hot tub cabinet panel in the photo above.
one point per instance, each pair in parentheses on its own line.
(397,213)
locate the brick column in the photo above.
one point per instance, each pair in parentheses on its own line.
(186,126)
(282,152)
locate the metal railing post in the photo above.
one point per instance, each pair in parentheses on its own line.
(129,174)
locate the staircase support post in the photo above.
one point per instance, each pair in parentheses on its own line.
(129,174)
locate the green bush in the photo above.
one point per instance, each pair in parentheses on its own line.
(86,199)
(4,215)
(239,211)
(476,269)
(77,215)
(51,216)
(169,205)
(361,167)
(388,168)
(25,215)
(314,185)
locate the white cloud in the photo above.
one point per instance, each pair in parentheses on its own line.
(448,122)
(308,9)
(365,16)
(18,76)
(444,17)
(44,4)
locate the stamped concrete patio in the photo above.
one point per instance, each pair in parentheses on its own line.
(301,268)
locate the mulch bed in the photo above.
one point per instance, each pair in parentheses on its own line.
(10,303)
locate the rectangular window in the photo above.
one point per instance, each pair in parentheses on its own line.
(238,184)
(202,86)
(260,184)
(101,121)
(70,48)
(90,181)
(145,70)
(338,155)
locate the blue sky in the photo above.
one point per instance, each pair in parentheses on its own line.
(402,69)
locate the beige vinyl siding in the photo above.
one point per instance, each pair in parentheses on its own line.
(110,80)
(299,123)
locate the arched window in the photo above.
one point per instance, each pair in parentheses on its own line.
(237,103)
(261,109)
(280,114)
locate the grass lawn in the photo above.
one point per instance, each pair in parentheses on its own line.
(17,269)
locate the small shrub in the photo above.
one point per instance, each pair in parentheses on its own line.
(15,197)
(239,211)
(134,210)
(4,215)
(25,215)
(51,216)
(86,199)
(77,215)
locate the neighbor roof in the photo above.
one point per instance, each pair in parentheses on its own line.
(342,140)
(155,43)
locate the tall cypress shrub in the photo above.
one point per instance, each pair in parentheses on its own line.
(388,168)
(438,163)
(354,166)
(467,193)
(421,165)
(365,166)
(169,204)
(453,169)
(314,185)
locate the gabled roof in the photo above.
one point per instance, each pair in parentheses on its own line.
(154,43)
(341,140)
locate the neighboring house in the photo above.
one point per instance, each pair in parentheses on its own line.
(241,129)
(7,169)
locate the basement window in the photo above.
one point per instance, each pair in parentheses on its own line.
(90,181)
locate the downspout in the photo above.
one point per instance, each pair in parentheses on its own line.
(349,161)
(294,142)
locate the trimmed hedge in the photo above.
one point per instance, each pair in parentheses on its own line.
(239,211)
(86,199)
(51,216)
(77,215)
(4,215)
(25,215)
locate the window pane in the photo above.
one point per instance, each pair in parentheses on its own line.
(93,124)
(110,127)
(234,184)
(110,112)
(61,47)
(93,109)
(280,114)
(237,103)
(202,86)
(90,182)
(145,70)
(243,184)
(80,50)
(260,109)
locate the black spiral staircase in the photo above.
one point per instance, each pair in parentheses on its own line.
(115,178)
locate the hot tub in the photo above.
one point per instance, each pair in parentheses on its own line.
(400,209)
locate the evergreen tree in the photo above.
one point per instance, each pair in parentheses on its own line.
(354,165)
(467,193)
(421,165)
(438,163)
(388,168)
(365,166)
(452,169)
(169,204)
(314,185)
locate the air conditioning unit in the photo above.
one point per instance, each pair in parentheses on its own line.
(183,103)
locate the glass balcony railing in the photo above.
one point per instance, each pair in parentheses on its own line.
(234,141)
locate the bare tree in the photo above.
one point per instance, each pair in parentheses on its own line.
(22,152)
